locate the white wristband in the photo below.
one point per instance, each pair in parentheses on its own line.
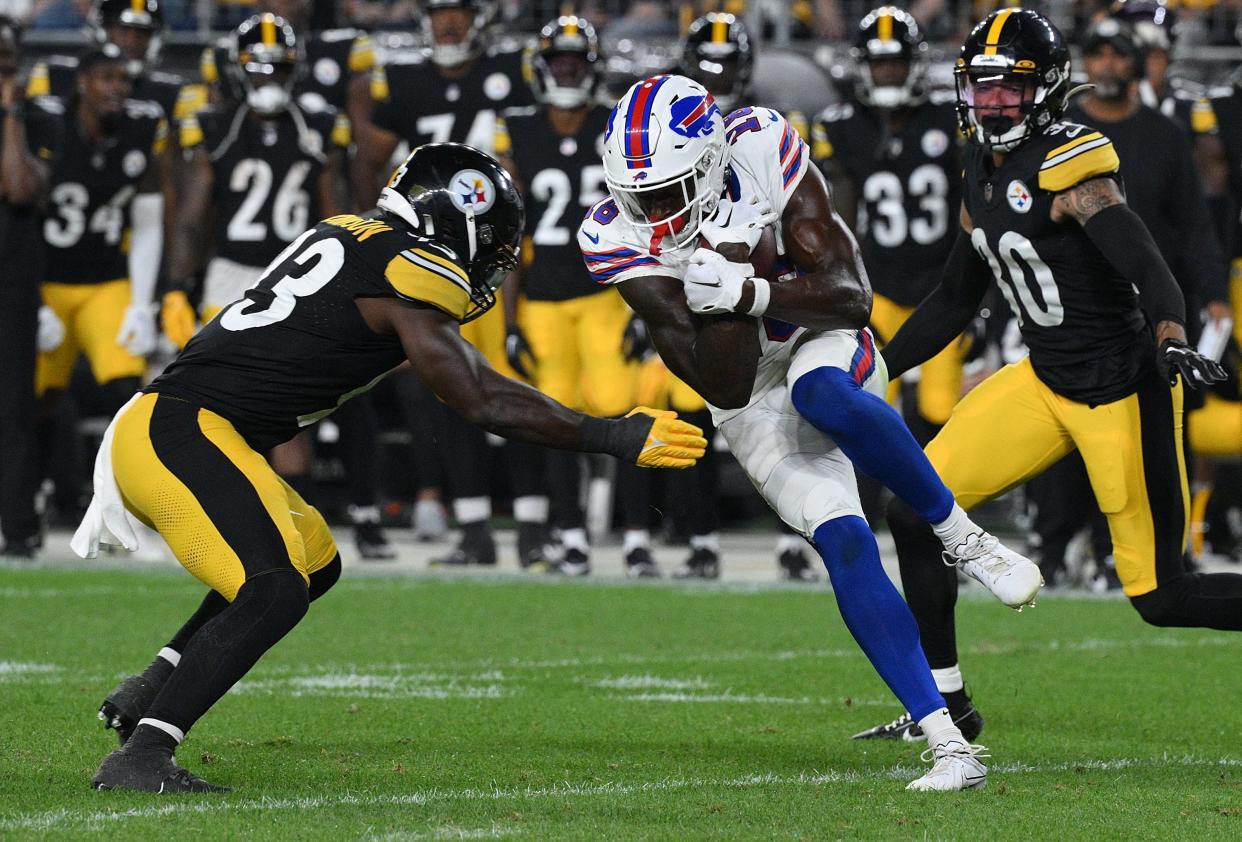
(763,293)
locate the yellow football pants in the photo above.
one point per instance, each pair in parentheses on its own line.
(940,378)
(659,388)
(576,345)
(1216,428)
(92,316)
(1012,427)
(225,513)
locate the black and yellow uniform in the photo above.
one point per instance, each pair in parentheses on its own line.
(86,232)
(907,185)
(1222,115)
(1090,382)
(332,57)
(419,105)
(573,324)
(58,77)
(265,189)
(287,354)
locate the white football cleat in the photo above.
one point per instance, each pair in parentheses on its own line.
(1012,578)
(956,767)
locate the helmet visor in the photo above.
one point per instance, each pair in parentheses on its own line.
(997,101)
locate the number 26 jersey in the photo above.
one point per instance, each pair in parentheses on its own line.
(1088,339)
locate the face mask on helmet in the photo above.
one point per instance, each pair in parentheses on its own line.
(886,83)
(675,207)
(453,33)
(722,78)
(567,79)
(999,105)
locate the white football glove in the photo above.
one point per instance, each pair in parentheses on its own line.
(138,333)
(713,284)
(51,331)
(739,222)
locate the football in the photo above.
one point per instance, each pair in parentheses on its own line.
(762,258)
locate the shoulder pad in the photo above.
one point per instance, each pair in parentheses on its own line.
(342,34)
(49,104)
(429,272)
(1080,153)
(835,113)
(610,254)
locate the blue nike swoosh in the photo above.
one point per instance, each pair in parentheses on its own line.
(594,239)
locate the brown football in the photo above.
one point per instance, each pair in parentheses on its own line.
(762,258)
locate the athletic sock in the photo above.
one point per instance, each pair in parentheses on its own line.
(154,735)
(875,613)
(872,436)
(948,679)
(939,729)
(956,528)
(635,539)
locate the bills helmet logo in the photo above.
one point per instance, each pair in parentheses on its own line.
(692,116)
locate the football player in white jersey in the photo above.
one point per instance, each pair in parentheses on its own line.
(790,370)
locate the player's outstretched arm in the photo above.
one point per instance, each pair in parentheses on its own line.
(946,311)
(1117,231)
(460,376)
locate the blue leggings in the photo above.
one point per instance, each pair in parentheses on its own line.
(876,614)
(872,435)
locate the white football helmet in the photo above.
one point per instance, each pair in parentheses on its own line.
(665,157)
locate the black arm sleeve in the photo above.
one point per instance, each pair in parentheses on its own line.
(1126,243)
(1202,258)
(944,314)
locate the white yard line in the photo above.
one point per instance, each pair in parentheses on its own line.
(95,819)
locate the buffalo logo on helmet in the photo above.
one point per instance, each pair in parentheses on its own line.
(692,116)
(472,191)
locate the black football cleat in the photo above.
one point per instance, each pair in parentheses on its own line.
(965,716)
(477,548)
(126,704)
(639,564)
(148,771)
(532,547)
(795,566)
(574,562)
(703,563)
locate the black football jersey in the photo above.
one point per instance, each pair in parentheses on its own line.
(1088,339)
(58,75)
(561,178)
(295,347)
(92,185)
(419,105)
(1226,120)
(266,187)
(908,187)
(332,56)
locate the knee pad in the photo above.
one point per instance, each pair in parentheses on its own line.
(277,597)
(322,580)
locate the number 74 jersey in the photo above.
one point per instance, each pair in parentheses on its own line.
(1088,339)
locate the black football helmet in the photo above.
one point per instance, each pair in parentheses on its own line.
(265,46)
(567,35)
(1012,77)
(1115,33)
(146,15)
(464,200)
(718,53)
(888,34)
(1153,21)
(453,55)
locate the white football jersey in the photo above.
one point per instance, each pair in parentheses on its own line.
(768,159)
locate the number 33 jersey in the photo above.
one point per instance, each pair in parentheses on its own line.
(295,346)
(768,160)
(266,185)
(1088,339)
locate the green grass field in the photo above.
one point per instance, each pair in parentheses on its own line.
(431,708)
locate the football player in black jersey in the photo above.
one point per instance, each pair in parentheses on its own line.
(1044,216)
(717,53)
(347,302)
(104,231)
(565,332)
(894,163)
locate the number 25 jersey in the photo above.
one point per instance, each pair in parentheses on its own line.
(1089,340)
(295,347)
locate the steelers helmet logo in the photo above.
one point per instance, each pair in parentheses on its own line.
(472,191)
(327,72)
(134,163)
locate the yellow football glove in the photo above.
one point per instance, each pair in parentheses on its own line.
(671,442)
(177,318)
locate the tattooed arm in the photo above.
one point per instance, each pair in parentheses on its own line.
(1099,207)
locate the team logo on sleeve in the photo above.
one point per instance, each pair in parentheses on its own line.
(692,115)
(472,191)
(1019,197)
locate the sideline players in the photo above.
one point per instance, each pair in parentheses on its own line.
(346,303)
(1043,215)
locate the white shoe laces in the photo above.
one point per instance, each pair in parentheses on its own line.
(980,550)
(958,750)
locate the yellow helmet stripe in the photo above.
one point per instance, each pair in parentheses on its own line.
(994,32)
(137,5)
(267,29)
(720,30)
(885,28)
(571,26)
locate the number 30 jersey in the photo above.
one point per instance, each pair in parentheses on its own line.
(768,160)
(295,347)
(266,187)
(1089,340)
(92,186)
(908,188)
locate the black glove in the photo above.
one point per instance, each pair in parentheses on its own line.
(1176,357)
(517,349)
(636,341)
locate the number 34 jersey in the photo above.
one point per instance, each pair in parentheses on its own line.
(768,160)
(295,346)
(907,186)
(266,186)
(1089,340)
(92,185)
